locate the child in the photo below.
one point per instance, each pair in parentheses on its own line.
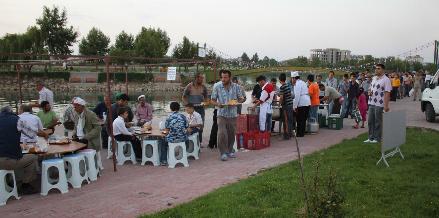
(362,106)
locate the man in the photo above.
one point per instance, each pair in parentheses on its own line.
(314,92)
(236,81)
(101,110)
(395,86)
(331,80)
(286,101)
(30,125)
(354,88)
(45,94)
(343,89)
(265,101)
(143,111)
(222,93)
(195,93)
(87,127)
(319,81)
(366,83)
(301,103)
(11,156)
(379,96)
(122,101)
(176,125)
(68,118)
(256,93)
(332,96)
(275,98)
(121,133)
(194,119)
(47,116)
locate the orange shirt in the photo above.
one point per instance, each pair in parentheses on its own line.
(314,93)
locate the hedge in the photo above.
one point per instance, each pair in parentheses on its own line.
(132,77)
(65,75)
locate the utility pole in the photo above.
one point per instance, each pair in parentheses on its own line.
(436,53)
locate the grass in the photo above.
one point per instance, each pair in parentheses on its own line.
(409,188)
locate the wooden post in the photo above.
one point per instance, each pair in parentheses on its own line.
(18,67)
(126,78)
(109,120)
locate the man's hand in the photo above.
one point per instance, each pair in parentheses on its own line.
(386,109)
(189,130)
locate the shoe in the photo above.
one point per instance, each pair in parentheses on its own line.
(224,157)
(367,141)
(231,155)
(373,141)
(164,163)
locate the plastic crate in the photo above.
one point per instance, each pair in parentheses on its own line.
(256,140)
(335,122)
(322,121)
(252,122)
(241,124)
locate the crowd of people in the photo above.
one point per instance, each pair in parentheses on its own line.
(299,99)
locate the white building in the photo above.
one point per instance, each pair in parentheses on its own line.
(415,58)
(330,55)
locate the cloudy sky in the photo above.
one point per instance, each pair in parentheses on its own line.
(277,28)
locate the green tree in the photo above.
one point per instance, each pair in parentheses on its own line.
(151,42)
(96,43)
(185,49)
(57,36)
(255,58)
(245,58)
(124,41)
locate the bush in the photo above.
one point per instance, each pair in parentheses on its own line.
(120,77)
(65,75)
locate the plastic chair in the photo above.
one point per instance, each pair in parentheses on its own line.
(121,156)
(154,158)
(75,166)
(91,160)
(48,183)
(6,191)
(172,158)
(195,152)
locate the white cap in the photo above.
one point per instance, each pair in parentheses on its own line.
(142,96)
(79,101)
(294,74)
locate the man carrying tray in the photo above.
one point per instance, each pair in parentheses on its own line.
(265,101)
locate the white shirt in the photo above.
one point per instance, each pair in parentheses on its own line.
(379,86)
(119,127)
(80,126)
(267,99)
(301,95)
(46,95)
(194,118)
(29,125)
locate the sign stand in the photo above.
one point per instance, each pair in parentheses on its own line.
(393,135)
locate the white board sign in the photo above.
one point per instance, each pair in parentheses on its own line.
(201,52)
(172,73)
(394,130)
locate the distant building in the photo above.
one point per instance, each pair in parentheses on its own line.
(415,58)
(330,55)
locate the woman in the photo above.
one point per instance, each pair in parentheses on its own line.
(362,106)
(396,83)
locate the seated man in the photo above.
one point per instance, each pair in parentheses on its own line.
(332,96)
(11,157)
(194,119)
(47,116)
(121,132)
(87,128)
(176,125)
(30,125)
(143,111)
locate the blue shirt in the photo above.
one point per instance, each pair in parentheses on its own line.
(10,136)
(342,88)
(177,125)
(223,96)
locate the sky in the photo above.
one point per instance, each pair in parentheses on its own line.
(280,29)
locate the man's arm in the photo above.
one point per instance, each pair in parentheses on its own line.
(386,101)
(94,133)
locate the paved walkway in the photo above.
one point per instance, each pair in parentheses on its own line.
(134,190)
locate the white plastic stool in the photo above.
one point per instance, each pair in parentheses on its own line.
(172,159)
(155,158)
(7,191)
(109,152)
(120,154)
(196,151)
(76,168)
(91,163)
(47,183)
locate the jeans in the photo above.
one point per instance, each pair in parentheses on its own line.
(288,117)
(352,104)
(202,112)
(344,107)
(375,122)
(226,134)
(313,113)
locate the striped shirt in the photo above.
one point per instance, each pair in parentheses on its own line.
(285,92)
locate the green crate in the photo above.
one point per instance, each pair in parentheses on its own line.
(322,121)
(335,123)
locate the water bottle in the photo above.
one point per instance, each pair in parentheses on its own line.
(241,140)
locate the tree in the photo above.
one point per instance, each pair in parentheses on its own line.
(186,49)
(255,58)
(57,36)
(124,41)
(96,43)
(245,58)
(151,42)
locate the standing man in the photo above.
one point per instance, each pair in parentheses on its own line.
(143,111)
(265,101)
(331,80)
(314,94)
(235,80)
(44,93)
(379,96)
(195,93)
(222,93)
(301,103)
(343,89)
(286,101)
(101,110)
(354,88)
(121,101)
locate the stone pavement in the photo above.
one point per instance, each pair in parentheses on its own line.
(135,189)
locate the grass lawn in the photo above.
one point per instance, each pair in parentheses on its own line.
(409,188)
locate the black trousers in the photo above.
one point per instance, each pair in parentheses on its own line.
(202,112)
(394,93)
(134,141)
(302,116)
(213,131)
